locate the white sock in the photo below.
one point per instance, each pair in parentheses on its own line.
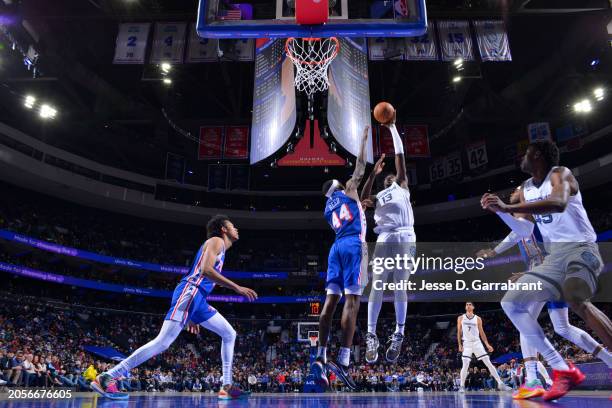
(344,356)
(322,353)
(401,309)
(543,372)
(487,361)
(518,313)
(464,370)
(217,324)
(168,333)
(373,312)
(531,370)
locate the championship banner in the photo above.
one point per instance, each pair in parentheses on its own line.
(201,49)
(168,43)
(211,142)
(416,140)
(477,155)
(492,40)
(236,144)
(423,48)
(131,43)
(539,131)
(455,40)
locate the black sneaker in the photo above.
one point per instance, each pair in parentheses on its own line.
(319,372)
(395,346)
(343,374)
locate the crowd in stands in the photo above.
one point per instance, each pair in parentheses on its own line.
(41,344)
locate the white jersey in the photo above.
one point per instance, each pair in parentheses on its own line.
(571,225)
(393,210)
(469,329)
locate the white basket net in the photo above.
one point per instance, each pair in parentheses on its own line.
(311,57)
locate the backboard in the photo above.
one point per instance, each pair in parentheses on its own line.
(276,19)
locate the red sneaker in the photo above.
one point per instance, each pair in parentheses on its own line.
(563,382)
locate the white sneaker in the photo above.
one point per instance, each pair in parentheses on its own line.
(2,382)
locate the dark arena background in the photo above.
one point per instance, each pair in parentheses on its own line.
(126,126)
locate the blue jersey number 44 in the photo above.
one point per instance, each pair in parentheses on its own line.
(339,219)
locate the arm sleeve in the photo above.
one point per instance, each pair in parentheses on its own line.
(397,140)
(520,226)
(511,239)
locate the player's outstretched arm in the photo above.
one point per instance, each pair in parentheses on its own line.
(459,334)
(353,183)
(401,177)
(366,191)
(207,267)
(483,336)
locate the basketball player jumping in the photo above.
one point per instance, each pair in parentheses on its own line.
(346,270)
(394,225)
(533,255)
(189,305)
(571,267)
(469,334)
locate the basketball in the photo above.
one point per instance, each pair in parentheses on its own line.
(383,112)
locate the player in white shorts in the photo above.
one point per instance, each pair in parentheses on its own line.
(572,265)
(469,333)
(394,226)
(533,255)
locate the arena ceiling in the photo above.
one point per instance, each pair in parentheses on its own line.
(113,113)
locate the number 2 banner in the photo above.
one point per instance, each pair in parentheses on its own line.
(168,43)
(455,40)
(131,43)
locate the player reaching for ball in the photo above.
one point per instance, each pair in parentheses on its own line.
(394,225)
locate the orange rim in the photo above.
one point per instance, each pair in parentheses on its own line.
(311,39)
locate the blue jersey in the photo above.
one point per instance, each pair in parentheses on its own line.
(195,277)
(345,216)
(532,249)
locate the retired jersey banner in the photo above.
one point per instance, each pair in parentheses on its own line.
(168,43)
(477,155)
(455,40)
(131,43)
(492,40)
(422,48)
(539,131)
(236,144)
(416,140)
(211,142)
(201,49)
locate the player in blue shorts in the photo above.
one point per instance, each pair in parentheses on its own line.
(189,305)
(346,270)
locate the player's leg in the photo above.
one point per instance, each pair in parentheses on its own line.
(375,302)
(584,264)
(466,359)
(105,383)
(354,258)
(533,387)
(403,246)
(560,319)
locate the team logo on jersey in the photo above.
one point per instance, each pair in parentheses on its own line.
(591,260)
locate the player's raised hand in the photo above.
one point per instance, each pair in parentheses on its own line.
(380,165)
(250,294)
(193,328)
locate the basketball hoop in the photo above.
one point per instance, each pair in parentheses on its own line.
(311,57)
(313,336)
